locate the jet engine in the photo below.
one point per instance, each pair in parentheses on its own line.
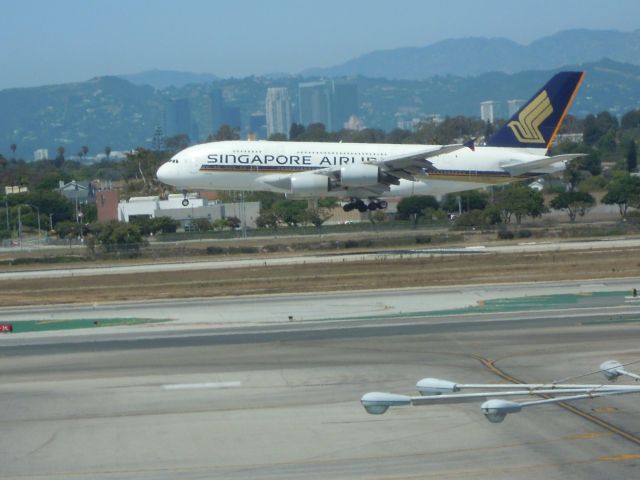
(359,175)
(307,184)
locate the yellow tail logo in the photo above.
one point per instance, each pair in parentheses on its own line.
(527,127)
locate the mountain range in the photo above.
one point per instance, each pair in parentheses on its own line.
(474,56)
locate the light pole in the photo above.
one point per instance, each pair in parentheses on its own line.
(6,210)
(19,227)
(38,212)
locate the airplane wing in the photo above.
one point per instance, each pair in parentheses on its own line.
(404,166)
(519,168)
(408,166)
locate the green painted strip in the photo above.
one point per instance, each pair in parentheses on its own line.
(498,305)
(47,325)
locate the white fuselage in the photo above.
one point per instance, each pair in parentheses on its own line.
(245,165)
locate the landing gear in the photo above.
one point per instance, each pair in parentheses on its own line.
(185,202)
(362,207)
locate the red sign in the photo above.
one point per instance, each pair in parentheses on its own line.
(6,328)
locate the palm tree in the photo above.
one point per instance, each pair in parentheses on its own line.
(107,151)
(13,148)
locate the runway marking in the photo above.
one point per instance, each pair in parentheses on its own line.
(193,386)
(617,458)
(490,364)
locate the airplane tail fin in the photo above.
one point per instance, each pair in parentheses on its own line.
(535,125)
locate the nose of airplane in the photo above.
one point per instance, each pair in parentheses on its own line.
(164,173)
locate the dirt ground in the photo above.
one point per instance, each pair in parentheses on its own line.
(387,273)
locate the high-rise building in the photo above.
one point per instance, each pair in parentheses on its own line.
(488,111)
(344,103)
(231,116)
(314,103)
(513,106)
(278,108)
(178,118)
(258,125)
(217,109)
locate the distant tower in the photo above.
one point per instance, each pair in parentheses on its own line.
(178,118)
(344,103)
(314,100)
(278,107)
(488,111)
(258,125)
(217,109)
(157,141)
(513,106)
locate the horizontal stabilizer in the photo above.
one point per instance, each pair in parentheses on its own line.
(539,165)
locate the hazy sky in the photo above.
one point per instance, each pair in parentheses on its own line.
(56,41)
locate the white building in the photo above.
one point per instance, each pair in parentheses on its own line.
(488,111)
(41,154)
(513,106)
(172,207)
(278,108)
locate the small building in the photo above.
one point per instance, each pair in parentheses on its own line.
(11,189)
(41,154)
(82,192)
(107,205)
(198,207)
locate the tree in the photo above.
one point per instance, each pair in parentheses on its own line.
(519,200)
(177,142)
(67,229)
(317,216)
(575,203)
(59,161)
(107,152)
(13,148)
(121,237)
(632,156)
(277,137)
(268,219)
(201,224)
(470,200)
(291,212)
(624,191)
(414,206)
(295,131)
(225,132)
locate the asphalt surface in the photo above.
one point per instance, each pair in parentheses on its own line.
(278,400)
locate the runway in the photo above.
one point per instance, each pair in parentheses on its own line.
(281,400)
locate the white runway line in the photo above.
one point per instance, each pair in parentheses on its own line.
(188,386)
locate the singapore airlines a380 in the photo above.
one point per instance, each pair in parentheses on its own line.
(364,174)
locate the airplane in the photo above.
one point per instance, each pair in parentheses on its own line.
(363,174)
(434,391)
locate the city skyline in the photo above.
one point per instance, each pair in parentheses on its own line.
(71,40)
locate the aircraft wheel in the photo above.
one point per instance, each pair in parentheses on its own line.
(185,202)
(382,204)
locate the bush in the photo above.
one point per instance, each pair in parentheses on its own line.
(505,234)
(215,251)
(421,239)
(524,233)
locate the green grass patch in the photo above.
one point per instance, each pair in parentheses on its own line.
(48,325)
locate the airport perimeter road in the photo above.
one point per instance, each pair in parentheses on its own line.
(285,405)
(316,259)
